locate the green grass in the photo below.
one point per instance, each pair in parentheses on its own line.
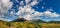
(27,25)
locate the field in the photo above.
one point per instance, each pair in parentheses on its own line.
(27,25)
(49,25)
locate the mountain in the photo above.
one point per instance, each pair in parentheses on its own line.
(19,20)
(23,20)
(54,22)
(33,21)
(38,21)
(18,23)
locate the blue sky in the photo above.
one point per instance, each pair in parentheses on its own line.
(54,4)
(46,10)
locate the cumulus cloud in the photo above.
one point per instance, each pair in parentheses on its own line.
(4,19)
(27,1)
(28,13)
(5,5)
(21,3)
(50,14)
(17,1)
(42,7)
(34,2)
(50,9)
(12,13)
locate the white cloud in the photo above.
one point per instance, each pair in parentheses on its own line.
(17,1)
(5,5)
(27,1)
(28,16)
(34,2)
(50,9)
(38,14)
(21,3)
(12,13)
(50,14)
(28,13)
(42,7)
(4,19)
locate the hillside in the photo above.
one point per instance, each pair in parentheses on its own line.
(23,23)
(19,20)
(17,24)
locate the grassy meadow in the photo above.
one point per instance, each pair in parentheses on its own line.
(27,25)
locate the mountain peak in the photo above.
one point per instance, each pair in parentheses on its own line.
(19,20)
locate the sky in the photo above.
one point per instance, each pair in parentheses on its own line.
(46,10)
